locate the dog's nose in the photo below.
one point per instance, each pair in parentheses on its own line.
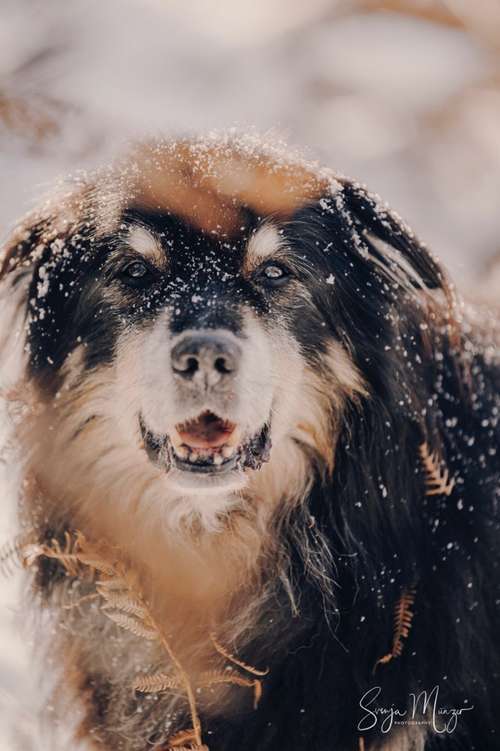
(207,357)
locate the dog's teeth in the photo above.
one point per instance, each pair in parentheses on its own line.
(228,451)
(193,456)
(217,458)
(175,440)
(182,452)
(234,439)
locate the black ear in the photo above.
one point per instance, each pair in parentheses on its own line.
(373,217)
(20,249)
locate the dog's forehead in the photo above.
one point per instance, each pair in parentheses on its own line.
(222,189)
(168,242)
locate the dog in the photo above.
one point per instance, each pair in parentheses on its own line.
(259,444)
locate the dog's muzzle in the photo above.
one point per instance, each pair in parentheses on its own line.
(205,365)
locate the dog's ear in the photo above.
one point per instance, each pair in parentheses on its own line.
(18,263)
(19,252)
(390,241)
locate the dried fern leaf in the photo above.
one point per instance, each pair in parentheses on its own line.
(132,624)
(123,601)
(74,553)
(115,584)
(403,617)
(437,477)
(123,604)
(11,554)
(179,740)
(31,553)
(81,600)
(65,553)
(151,684)
(214,677)
(99,564)
(234,660)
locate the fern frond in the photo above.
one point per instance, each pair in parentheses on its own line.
(125,606)
(214,677)
(437,477)
(67,553)
(11,554)
(31,553)
(132,624)
(150,684)
(179,740)
(81,600)
(403,617)
(120,600)
(234,660)
(115,584)
(99,564)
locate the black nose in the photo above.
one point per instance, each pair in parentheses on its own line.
(206,356)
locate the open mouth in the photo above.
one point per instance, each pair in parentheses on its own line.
(207,444)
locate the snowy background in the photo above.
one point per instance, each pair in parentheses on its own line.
(402,94)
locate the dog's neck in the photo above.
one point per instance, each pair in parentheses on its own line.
(194,574)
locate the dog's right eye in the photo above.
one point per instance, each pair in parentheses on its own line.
(136,273)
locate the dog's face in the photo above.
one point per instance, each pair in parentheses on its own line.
(177,356)
(206,342)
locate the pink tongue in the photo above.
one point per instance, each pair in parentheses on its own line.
(205,433)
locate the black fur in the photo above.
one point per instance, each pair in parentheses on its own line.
(385,534)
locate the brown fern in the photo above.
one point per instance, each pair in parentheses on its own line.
(156,683)
(403,617)
(234,660)
(134,625)
(437,477)
(214,677)
(178,743)
(123,604)
(69,553)
(11,554)
(119,601)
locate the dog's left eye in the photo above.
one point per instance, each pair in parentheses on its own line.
(136,273)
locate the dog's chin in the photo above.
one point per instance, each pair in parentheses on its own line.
(206,454)
(183,481)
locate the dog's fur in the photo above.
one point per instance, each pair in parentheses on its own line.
(355,361)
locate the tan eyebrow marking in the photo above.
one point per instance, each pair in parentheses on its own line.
(144,242)
(263,244)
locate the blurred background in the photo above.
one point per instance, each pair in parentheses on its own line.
(401,94)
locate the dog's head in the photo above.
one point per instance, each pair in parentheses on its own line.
(199,317)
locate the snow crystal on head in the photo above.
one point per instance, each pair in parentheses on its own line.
(209,179)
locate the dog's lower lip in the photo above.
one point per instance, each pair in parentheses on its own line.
(207,467)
